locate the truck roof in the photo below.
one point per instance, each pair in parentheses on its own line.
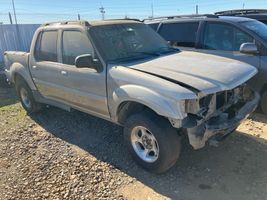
(196,18)
(242,12)
(92,23)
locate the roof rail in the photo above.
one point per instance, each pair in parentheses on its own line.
(241,11)
(183,16)
(81,22)
(77,22)
(134,19)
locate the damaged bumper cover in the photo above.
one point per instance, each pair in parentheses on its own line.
(222,125)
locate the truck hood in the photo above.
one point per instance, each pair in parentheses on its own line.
(199,72)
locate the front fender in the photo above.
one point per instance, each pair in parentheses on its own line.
(19,69)
(140,94)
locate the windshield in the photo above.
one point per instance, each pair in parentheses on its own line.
(119,42)
(257,27)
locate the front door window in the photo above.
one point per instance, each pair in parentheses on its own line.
(220,36)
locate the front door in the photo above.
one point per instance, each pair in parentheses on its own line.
(84,88)
(224,40)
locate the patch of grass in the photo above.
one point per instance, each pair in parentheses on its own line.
(5,102)
(11,109)
(11,112)
(7,96)
(12,115)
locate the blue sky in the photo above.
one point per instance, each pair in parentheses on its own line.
(39,11)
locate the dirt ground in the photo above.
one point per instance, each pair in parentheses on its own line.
(60,155)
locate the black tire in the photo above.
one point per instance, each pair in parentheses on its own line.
(33,106)
(264,102)
(167,137)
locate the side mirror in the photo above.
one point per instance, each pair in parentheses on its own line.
(86,60)
(249,48)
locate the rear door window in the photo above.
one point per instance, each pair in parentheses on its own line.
(46,46)
(74,44)
(180,34)
(220,36)
(154,26)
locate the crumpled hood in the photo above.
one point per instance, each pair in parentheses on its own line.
(203,72)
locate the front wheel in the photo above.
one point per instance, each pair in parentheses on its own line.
(152,141)
(26,97)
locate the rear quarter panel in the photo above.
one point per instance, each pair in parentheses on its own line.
(16,63)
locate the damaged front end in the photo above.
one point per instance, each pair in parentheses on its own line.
(217,115)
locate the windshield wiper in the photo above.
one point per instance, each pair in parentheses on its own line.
(139,55)
(136,57)
(144,52)
(168,49)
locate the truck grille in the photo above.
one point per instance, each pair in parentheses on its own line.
(223,98)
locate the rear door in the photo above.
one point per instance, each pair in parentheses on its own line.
(44,65)
(180,34)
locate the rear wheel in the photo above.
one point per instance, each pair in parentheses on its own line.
(264,102)
(152,141)
(26,97)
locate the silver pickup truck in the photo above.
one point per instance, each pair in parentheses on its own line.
(124,72)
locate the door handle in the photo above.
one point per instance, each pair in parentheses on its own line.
(34,67)
(64,73)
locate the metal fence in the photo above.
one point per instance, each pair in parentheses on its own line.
(16,37)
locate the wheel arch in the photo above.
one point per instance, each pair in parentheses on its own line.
(21,72)
(132,98)
(128,108)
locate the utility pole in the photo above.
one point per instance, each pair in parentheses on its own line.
(10,18)
(79,17)
(14,10)
(152,10)
(243,5)
(196,9)
(102,11)
(17,28)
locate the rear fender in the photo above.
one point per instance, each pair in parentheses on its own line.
(18,69)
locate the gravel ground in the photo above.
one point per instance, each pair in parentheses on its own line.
(60,155)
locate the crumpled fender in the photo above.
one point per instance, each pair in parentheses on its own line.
(140,94)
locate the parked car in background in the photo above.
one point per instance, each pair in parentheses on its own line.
(124,72)
(258,14)
(238,38)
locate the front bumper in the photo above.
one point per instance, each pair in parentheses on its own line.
(221,125)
